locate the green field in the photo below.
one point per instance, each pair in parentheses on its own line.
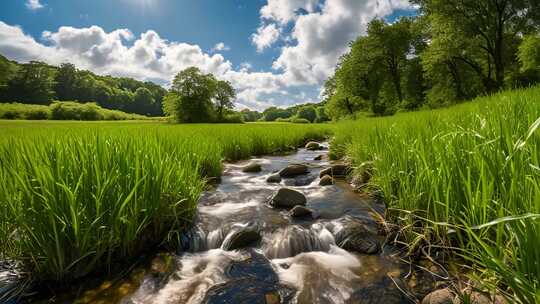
(464,181)
(78,196)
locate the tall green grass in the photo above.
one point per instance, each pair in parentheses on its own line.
(76,197)
(465,177)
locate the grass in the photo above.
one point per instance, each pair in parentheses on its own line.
(465,177)
(76,197)
(64,110)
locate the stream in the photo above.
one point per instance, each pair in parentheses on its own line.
(242,250)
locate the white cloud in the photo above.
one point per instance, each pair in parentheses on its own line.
(319,36)
(266,36)
(33,5)
(323,36)
(284,11)
(220,47)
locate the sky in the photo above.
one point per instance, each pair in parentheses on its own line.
(274,52)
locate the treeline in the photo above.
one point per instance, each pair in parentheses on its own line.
(39,83)
(454,50)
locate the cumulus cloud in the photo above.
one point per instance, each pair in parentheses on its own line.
(321,32)
(315,32)
(33,5)
(147,57)
(266,36)
(220,47)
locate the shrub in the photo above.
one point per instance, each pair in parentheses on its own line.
(299,120)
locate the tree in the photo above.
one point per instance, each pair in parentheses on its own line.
(33,83)
(307,112)
(273,113)
(390,44)
(142,101)
(190,98)
(485,28)
(529,53)
(250,115)
(224,97)
(66,82)
(321,114)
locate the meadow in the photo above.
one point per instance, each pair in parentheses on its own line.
(77,197)
(464,181)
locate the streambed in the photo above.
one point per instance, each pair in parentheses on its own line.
(290,259)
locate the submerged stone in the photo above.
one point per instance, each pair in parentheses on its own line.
(313,146)
(293,170)
(252,168)
(241,238)
(287,198)
(326,180)
(339,170)
(300,211)
(274,178)
(357,236)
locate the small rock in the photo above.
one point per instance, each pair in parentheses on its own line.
(356,236)
(252,168)
(293,170)
(300,211)
(241,238)
(441,296)
(288,198)
(336,171)
(274,178)
(326,180)
(318,157)
(313,146)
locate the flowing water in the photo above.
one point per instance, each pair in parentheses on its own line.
(295,260)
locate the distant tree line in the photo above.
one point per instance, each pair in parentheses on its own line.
(39,83)
(453,50)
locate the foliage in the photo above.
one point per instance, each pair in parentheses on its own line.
(471,169)
(250,116)
(63,110)
(273,113)
(224,96)
(308,113)
(39,83)
(529,53)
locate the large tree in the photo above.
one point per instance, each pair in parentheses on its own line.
(33,83)
(190,98)
(481,32)
(224,97)
(66,80)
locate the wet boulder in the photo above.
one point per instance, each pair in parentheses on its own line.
(274,179)
(241,238)
(293,170)
(252,280)
(252,168)
(319,157)
(300,211)
(326,180)
(440,296)
(313,146)
(359,237)
(339,170)
(287,198)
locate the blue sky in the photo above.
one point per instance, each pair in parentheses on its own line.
(275,52)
